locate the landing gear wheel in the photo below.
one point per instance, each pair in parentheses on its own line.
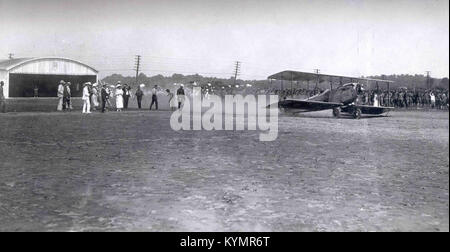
(337,112)
(357,113)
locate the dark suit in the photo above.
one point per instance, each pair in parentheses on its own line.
(139,95)
(2,101)
(154,99)
(104,99)
(126,96)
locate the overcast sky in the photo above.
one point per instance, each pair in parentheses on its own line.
(206,37)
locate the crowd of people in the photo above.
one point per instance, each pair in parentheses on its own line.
(97,97)
(399,98)
(404,98)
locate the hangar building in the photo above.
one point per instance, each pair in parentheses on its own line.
(26,77)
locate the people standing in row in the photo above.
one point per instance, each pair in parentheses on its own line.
(2,98)
(60,95)
(139,95)
(119,97)
(154,97)
(86,98)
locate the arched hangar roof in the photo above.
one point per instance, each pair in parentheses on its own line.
(16,63)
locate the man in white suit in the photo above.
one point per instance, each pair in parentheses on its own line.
(60,95)
(86,99)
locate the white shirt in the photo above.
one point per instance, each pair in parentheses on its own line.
(432,97)
(60,90)
(86,93)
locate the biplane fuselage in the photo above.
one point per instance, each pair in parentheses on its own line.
(345,95)
(342,99)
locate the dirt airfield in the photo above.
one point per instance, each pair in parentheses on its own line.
(131,172)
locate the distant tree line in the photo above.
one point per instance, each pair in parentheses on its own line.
(411,82)
(417,81)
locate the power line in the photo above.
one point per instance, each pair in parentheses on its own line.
(428,79)
(164,71)
(137,64)
(236,70)
(317,71)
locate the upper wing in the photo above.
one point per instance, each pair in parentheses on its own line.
(306,105)
(305,76)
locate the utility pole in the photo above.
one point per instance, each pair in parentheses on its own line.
(137,66)
(316,71)
(237,70)
(10,55)
(428,79)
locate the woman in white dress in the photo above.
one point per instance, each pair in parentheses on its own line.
(376,103)
(119,98)
(172,100)
(86,99)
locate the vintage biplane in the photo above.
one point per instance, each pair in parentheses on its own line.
(345,98)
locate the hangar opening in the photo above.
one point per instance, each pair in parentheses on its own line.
(41,85)
(39,77)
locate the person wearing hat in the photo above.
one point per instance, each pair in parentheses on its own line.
(172,101)
(94,96)
(119,97)
(139,95)
(86,98)
(66,97)
(2,98)
(126,95)
(154,97)
(180,95)
(109,91)
(60,95)
(70,95)
(105,96)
